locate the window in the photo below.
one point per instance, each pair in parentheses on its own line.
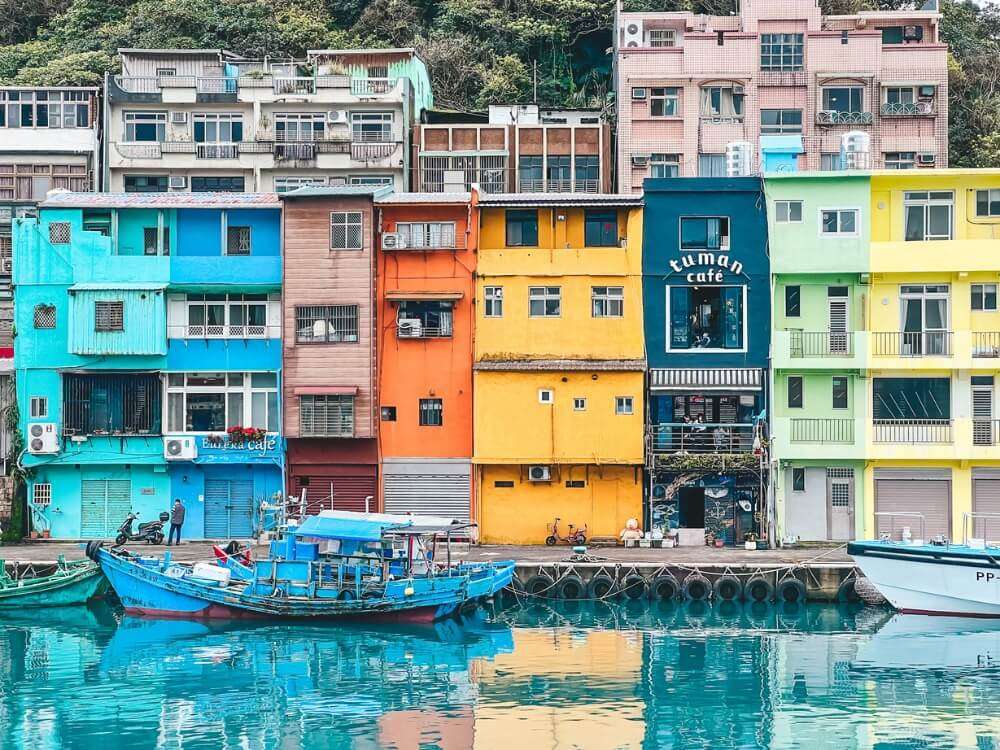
(576,484)
(222,316)
(924,314)
(545,396)
(662,38)
(112,404)
(911,398)
(664,102)
(899,159)
(600,228)
(798,480)
(843,99)
(371,127)
(795,394)
(557,172)
(493,301)
(522,228)
(588,173)
(579,404)
(503,483)
(793,301)
(326,416)
(221,184)
(838,222)
(218,127)
(45,316)
(839,392)
(831,162)
(988,202)
(237,240)
(59,232)
(431,412)
(607,301)
(721,103)
(216,401)
(899,95)
(544,301)
(424,319)
(782,52)
(711,165)
(299,126)
(287,184)
(166,72)
(345,230)
(892,35)
(427,234)
(39,407)
(109,315)
(41,494)
(529,173)
(664,165)
(145,127)
(984,297)
(326,324)
(778,121)
(623,406)
(788,212)
(928,215)
(151,241)
(706,317)
(387,414)
(704,233)
(145,183)
(44,109)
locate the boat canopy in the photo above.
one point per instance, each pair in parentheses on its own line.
(358,528)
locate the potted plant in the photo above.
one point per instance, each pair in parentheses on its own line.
(750,540)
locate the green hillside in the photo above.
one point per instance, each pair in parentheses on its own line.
(478,51)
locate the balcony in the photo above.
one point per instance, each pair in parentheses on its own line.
(912,344)
(986,344)
(820,344)
(833,117)
(217,150)
(913,431)
(151,88)
(217,332)
(151,150)
(372,86)
(293,85)
(373,150)
(827,431)
(908,109)
(683,437)
(415,329)
(528,185)
(304,151)
(985,431)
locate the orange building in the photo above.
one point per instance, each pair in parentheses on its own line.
(426,291)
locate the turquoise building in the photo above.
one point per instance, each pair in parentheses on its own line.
(148,331)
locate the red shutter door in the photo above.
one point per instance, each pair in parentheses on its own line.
(324,492)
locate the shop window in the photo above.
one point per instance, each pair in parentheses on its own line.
(706,317)
(214,402)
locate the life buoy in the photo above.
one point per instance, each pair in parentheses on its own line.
(634,586)
(727,588)
(538,585)
(664,588)
(759,589)
(847,594)
(571,587)
(696,588)
(791,591)
(601,586)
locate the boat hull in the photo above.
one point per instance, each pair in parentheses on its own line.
(73,590)
(932,581)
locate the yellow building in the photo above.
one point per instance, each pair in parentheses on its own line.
(559,347)
(934,350)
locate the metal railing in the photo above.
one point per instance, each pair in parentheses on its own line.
(372,86)
(986,344)
(216,85)
(404,331)
(981,525)
(833,117)
(373,150)
(178,147)
(822,430)
(218,150)
(300,85)
(294,151)
(820,344)
(908,109)
(139,150)
(216,331)
(912,344)
(985,431)
(683,437)
(144,84)
(893,515)
(923,431)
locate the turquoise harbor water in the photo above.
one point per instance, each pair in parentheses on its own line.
(554,676)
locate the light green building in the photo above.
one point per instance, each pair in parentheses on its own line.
(818,230)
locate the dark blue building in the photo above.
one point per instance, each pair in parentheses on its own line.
(706,296)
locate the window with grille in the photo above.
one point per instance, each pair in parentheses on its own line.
(781,52)
(109,315)
(431,412)
(607,301)
(840,494)
(662,37)
(345,230)
(237,240)
(59,232)
(323,324)
(41,494)
(151,241)
(326,416)
(839,472)
(493,302)
(45,316)
(427,234)
(112,404)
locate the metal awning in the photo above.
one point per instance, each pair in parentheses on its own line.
(706,379)
(398,296)
(358,529)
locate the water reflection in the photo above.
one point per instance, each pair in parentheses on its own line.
(567,675)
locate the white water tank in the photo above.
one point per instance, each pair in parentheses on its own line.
(856,150)
(739,159)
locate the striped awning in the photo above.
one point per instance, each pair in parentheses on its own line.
(706,379)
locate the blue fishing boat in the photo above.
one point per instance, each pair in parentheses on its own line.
(336,564)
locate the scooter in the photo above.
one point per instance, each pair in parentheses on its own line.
(150,532)
(573,537)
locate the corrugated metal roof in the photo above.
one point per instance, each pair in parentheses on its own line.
(337,191)
(560,199)
(66,199)
(529,365)
(409,198)
(744,378)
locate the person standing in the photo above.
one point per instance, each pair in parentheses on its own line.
(176,521)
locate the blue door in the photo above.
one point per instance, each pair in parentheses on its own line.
(228,508)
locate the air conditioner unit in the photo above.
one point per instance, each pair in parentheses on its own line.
(178,118)
(640,160)
(925,92)
(639,92)
(540,473)
(409,328)
(633,34)
(392,241)
(336,116)
(43,438)
(179,448)
(737,90)
(178,183)
(926,159)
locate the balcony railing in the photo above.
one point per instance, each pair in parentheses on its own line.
(985,431)
(909,109)
(907,431)
(218,85)
(294,85)
(405,329)
(680,437)
(294,151)
(823,431)
(217,332)
(218,150)
(986,344)
(833,117)
(912,344)
(531,185)
(372,86)
(373,150)
(139,150)
(820,344)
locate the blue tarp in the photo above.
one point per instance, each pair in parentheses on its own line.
(355,529)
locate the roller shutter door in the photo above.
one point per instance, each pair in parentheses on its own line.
(931,497)
(986,499)
(324,492)
(105,503)
(228,509)
(428,494)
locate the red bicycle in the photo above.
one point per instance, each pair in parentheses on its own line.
(577,536)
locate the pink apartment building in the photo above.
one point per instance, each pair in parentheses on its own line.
(690,84)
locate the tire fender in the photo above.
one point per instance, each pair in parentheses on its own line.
(791,591)
(847,594)
(759,589)
(727,589)
(571,587)
(92,547)
(634,586)
(538,585)
(696,588)
(602,586)
(664,588)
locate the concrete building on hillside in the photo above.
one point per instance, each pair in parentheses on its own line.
(209,120)
(689,85)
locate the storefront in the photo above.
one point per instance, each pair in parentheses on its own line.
(436,487)
(333,474)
